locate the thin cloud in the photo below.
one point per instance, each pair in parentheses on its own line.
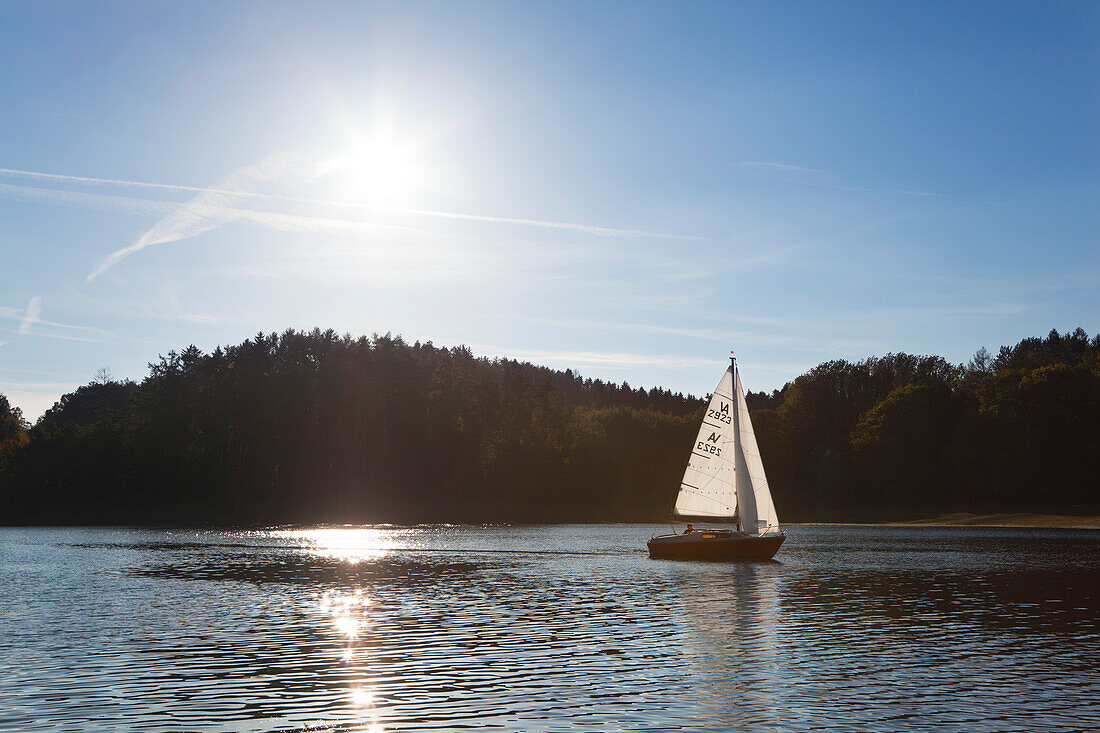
(618,360)
(58,178)
(218,205)
(196,218)
(31,315)
(207,211)
(808,173)
(94,201)
(272,220)
(992,310)
(584,228)
(759,164)
(902,191)
(726,336)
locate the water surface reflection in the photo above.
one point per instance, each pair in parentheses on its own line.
(546,628)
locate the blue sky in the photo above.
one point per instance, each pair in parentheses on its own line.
(627,189)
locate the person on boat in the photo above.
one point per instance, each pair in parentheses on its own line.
(689,529)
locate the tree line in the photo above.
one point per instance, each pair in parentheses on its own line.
(905,435)
(318,427)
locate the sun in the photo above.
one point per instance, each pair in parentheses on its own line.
(380,165)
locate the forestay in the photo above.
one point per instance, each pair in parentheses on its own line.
(708,486)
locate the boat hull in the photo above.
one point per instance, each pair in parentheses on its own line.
(696,546)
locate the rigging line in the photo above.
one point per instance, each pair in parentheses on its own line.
(699,489)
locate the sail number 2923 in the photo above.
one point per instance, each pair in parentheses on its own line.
(706,447)
(719,416)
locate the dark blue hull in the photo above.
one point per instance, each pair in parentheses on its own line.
(704,545)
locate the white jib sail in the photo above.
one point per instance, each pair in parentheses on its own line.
(708,486)
(754,499)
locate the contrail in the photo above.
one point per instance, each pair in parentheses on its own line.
(95,201)
(31,314)
(210,209)
(571,226)
(271,220)
(58,178)
(193,219)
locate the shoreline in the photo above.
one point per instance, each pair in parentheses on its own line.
(966,519)
(1020,520)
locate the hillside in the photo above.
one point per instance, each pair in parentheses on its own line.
(308,427)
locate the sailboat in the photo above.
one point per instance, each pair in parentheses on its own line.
(724,480)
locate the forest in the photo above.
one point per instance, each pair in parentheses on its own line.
(317,427)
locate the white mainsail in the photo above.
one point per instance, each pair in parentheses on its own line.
(708,486)
(725,475)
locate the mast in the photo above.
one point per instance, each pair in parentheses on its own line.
(736,445)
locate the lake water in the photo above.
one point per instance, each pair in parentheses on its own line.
(548,628)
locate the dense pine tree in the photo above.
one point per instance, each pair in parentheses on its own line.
(306,427)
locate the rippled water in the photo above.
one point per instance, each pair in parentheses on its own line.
(546,628)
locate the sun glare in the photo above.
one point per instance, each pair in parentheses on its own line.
(380,165)
(361,697)
(349,613)
(352,544)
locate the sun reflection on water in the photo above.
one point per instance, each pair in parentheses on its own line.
(350,544)
(349,613)
(361,698)
(349,610)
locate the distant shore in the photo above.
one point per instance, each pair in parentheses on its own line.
(965,519)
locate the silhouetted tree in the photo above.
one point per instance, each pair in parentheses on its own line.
(317,426)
